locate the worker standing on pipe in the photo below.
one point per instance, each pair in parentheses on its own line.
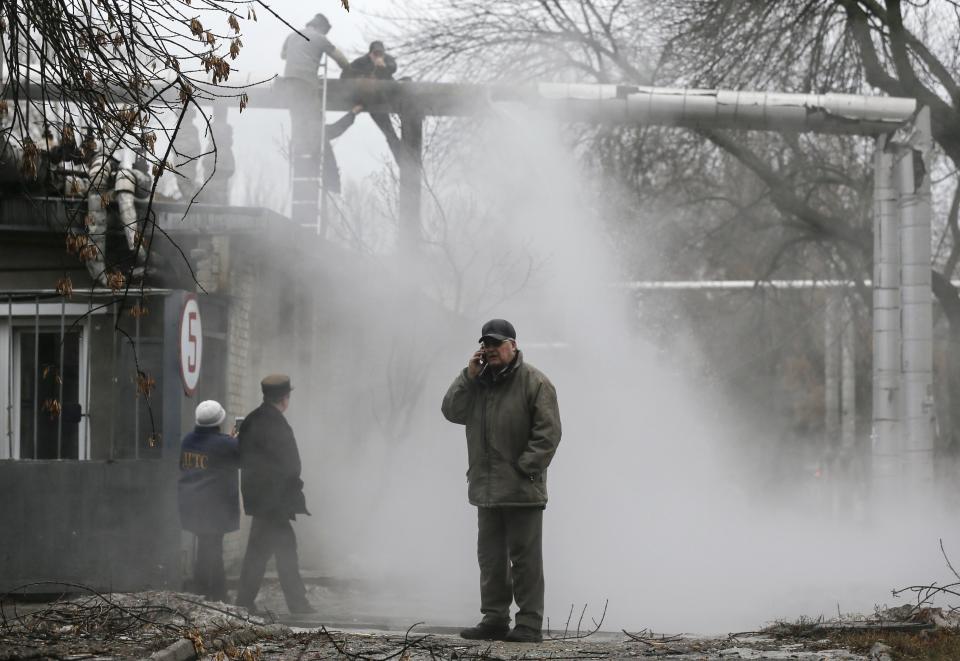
(303,53)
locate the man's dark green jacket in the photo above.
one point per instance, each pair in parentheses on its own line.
(513,429)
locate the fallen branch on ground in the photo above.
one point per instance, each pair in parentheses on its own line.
(658,642)
(578,635)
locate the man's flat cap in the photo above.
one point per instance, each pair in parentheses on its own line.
(377,47)
(320,20)
(498,329)
(276,384)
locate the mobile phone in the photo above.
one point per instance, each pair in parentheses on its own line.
(237,422)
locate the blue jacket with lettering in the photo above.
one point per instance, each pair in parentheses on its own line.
(209,485)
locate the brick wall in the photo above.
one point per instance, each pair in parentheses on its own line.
(243,391)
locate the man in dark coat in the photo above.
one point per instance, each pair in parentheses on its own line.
(209,495)
(377,63)
(273,495)
(380,65)
(512,421)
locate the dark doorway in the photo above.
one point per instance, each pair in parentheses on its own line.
(42,411)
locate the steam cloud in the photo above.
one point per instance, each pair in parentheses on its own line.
(653,503)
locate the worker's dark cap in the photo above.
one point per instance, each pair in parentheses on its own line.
(377,47)
(499,330)
(319,19)
(276,384)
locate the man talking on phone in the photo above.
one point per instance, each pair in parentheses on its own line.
(512,421)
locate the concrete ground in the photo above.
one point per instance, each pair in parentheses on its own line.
(348,625)
(415,645)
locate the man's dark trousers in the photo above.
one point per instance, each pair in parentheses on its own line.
(208,574)
(384,123)
(270,536)
(510,553)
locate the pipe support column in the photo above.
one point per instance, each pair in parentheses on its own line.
(410,164)
(916,299)
(886,324)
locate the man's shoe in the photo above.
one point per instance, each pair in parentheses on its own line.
(522,634)
(302,609)
(252,610)
(486,632)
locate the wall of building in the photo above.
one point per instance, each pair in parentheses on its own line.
(111,523)
(107,525)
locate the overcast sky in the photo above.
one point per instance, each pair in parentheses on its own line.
(352,31)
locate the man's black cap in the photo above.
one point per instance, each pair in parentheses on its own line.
(276,384)
(498,329)
(377,47)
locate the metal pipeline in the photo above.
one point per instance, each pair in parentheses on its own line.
(127,184)
(100,171)
(719,109)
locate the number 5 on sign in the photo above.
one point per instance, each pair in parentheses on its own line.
(191,344)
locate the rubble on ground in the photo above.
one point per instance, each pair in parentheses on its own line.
(101,627)
(127,626)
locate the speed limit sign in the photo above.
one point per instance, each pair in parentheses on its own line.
(191,344)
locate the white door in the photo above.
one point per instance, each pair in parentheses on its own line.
(44,400)
(49,396)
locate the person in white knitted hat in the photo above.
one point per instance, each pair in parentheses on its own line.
(209,495)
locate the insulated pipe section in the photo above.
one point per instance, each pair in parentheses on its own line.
(885,434)
(100,171)
(912,177)
(826,113)
(616,104)
(626,104)
(125,190)
(128,184)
